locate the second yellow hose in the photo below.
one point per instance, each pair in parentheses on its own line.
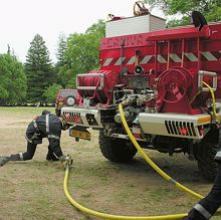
(149,161)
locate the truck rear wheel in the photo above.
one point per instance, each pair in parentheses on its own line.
(116,150)
(206,163)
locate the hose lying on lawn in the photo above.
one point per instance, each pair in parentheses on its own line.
(150,161)
(152,164)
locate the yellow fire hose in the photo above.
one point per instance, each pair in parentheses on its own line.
(151,163)
(109,216)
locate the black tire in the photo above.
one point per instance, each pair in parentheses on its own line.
(116,150)
(58,112)
(206,163)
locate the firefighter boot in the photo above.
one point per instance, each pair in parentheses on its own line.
(4,160)
(50,156)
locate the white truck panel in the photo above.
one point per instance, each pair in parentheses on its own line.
(134,25)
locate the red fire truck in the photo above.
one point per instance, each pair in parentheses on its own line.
(169,82)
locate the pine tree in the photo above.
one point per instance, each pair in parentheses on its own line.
(62,47)
(38,70)
(61,65)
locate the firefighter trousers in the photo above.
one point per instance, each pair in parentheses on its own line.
(206,208)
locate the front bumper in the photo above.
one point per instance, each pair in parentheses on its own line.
(175,125)
(85,117)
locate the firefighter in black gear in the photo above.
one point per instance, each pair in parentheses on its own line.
(48,126)
(207,207)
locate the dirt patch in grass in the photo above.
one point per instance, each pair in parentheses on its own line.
(33,190)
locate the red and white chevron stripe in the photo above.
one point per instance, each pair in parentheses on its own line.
(174,57)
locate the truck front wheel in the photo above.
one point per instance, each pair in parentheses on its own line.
(116,150)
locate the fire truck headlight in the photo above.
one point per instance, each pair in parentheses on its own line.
(70,101)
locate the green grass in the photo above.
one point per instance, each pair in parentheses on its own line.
(24,110)
(34,190)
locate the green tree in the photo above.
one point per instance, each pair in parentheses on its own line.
(51,92)
(211,9)
(82,53)
(13,83)
(61,66)
(62,47)
(97,28)
(38,69)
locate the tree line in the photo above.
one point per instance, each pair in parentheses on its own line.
(180,10)
(38,80)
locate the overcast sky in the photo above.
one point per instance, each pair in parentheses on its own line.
(20,20)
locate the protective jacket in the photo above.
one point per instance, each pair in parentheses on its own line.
(44,126)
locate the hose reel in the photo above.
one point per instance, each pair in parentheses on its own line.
(173,85)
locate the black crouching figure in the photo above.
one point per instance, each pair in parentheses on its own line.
(48,126)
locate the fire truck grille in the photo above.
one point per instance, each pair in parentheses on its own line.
(180,128)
